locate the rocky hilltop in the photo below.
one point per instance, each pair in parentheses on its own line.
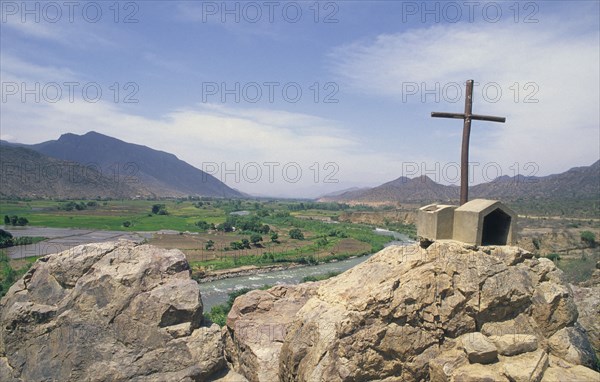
(450,312)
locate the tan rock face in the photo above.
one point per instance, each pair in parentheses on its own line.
(479,348)
(257,326)
(588,304)
(515,344)
(109,311)
(404,314)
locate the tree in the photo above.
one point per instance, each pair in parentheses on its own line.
(235,245)
(202,225)
(159,209)
(225,227)
(274,237)
(295,233)
(22,221)
(256,238)
(13,220)
(209,245)
(126,223)
(6,220)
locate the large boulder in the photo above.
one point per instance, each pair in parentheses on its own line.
(107,311)
(587,299)
(448,312)
(257,326)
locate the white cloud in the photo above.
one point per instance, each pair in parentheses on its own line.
(559,59)
(237,142)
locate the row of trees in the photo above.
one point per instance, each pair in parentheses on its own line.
(70,206)
(242,224)
(15,220)
(331,206)
(255,239)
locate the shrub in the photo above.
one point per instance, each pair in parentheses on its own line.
(274,237)
(295,233)
(126,223)
(553,256)
(256,238)
(6,239)
(588,238)
(325,276)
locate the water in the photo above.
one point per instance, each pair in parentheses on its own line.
(217,292)
(400,238)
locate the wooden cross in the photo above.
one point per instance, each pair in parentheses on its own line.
(467,117)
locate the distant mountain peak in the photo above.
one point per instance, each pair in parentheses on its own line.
(578,183)
(151,172)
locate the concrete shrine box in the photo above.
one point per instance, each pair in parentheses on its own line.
(478,222)
(435,221)
(485,222)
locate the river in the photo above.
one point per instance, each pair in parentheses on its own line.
(217,292)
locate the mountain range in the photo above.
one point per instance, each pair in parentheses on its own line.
(117,168)
(576,183)
(95,165)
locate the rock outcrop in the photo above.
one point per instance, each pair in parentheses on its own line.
(259,323)
(104,312)
(587,299)
(450,312)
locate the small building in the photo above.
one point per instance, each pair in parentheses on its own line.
(478,222)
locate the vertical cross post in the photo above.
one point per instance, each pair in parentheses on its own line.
(467,117)
(464,155)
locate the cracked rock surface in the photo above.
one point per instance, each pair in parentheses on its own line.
(451,312)
(107,311)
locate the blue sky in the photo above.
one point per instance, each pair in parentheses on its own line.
(216,83)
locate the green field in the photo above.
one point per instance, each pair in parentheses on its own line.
(110,215)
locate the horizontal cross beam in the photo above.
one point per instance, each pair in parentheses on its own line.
(474,117)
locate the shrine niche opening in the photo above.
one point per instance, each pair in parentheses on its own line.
(496,226)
